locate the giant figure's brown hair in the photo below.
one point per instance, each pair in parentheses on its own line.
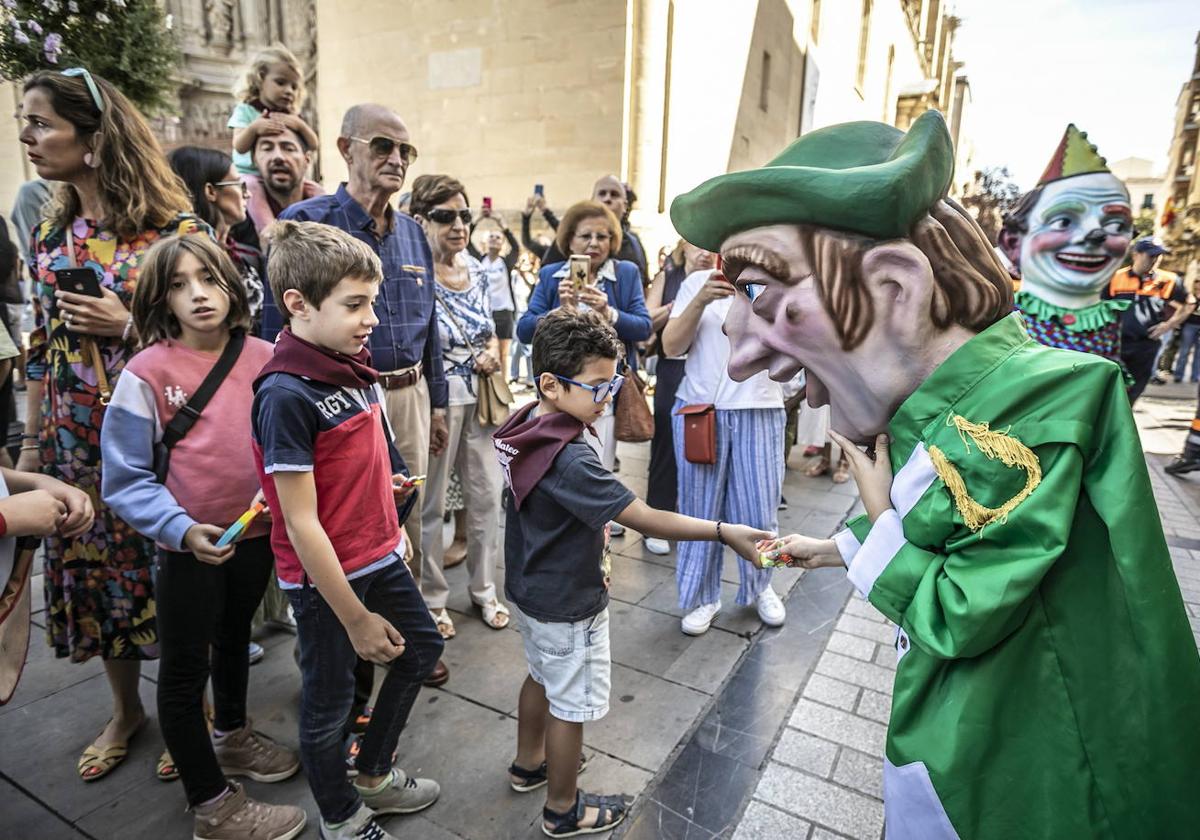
(971,287)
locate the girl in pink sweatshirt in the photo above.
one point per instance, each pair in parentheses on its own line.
(189,305)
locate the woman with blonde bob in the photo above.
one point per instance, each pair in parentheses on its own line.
(613,289)
(116,198)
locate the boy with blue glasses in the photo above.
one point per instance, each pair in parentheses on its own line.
(557,571)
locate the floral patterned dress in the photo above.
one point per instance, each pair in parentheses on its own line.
(99,587)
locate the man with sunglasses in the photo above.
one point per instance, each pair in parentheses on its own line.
(405,347)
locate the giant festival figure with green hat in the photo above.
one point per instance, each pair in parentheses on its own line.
(1067,237)
(1047,682)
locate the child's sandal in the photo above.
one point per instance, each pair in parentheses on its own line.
(612,809)
(534,779)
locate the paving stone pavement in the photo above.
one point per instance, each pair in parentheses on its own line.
(823,778)
(664,685)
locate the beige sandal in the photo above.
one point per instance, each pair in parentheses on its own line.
(842,473)
(165,770)
(818,469)
(97,762)
(444,625)
(495,614)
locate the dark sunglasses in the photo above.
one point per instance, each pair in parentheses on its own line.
(445,216)
(384,146)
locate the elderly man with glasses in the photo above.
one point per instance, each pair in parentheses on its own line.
(405,347)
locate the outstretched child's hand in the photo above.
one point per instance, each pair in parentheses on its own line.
(743,538)
(873,476)
(798,550)
(375,639)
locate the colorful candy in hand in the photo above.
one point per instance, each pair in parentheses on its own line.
(769,556)
(235,530)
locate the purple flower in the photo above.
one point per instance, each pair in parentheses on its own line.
(34,27)
(52,47)
(73,7)
(103,18)
(20,37)
(51,6)
(10,4)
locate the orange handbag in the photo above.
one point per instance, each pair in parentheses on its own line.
(699,432)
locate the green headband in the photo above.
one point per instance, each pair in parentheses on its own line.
(863,177)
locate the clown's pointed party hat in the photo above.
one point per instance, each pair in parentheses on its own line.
(1074,156)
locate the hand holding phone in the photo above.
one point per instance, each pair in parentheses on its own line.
(78,281)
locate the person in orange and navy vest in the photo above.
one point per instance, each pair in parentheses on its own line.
(1146,321)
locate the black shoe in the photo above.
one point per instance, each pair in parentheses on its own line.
(1182,465)
(782,503)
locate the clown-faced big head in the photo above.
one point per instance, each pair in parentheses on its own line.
(850,264)
(1078,232)
(1069,235)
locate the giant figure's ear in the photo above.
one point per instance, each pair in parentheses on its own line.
(900,281)
(1010,243)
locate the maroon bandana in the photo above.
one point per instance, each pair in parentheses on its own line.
(527,446)
(301,358)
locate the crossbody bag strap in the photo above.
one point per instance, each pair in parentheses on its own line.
(187,416)
(88,343)
(454,320)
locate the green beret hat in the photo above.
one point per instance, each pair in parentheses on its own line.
(863,177)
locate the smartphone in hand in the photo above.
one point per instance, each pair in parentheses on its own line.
(79,281)
(578,271)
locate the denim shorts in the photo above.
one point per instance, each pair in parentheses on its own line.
(572,661)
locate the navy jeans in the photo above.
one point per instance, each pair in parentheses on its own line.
(327,662)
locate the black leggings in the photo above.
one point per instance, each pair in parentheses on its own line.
(204,614)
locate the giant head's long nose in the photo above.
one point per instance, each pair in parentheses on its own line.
(1096,236)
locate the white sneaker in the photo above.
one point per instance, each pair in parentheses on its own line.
(771,609)
(616,529)
(656,546)
(697,622)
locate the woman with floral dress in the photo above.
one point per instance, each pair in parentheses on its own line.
(469,348)
(117,197)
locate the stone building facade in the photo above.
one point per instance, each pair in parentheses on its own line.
(663,93)
(1181,215)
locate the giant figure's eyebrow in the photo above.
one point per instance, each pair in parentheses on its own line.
(1064,205)
(740,257)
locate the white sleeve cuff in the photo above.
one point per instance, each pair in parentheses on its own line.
(847,545)
(882,544)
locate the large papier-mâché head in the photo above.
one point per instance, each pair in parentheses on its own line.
(859,266)
(1069,235)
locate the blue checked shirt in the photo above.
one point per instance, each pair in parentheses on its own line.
(407,331)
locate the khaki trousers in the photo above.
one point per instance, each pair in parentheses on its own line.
(408,412)
(472,453)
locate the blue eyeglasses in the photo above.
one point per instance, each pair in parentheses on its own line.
(599,392)
(91,85)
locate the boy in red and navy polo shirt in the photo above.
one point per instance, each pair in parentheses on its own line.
(333,480)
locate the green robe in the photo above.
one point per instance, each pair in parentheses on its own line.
(1048,684)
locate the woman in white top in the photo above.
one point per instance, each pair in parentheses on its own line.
(464,316)
(744,484)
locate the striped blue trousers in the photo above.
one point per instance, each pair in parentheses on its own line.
(743,486)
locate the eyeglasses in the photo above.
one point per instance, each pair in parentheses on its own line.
(90,82)
(384,146)
(588,237)
(239,183)
(445,216)
(599,392)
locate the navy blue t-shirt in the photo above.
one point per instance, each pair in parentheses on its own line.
(556,565)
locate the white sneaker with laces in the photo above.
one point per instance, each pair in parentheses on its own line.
(697,622)
(656,546)
(771,609)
